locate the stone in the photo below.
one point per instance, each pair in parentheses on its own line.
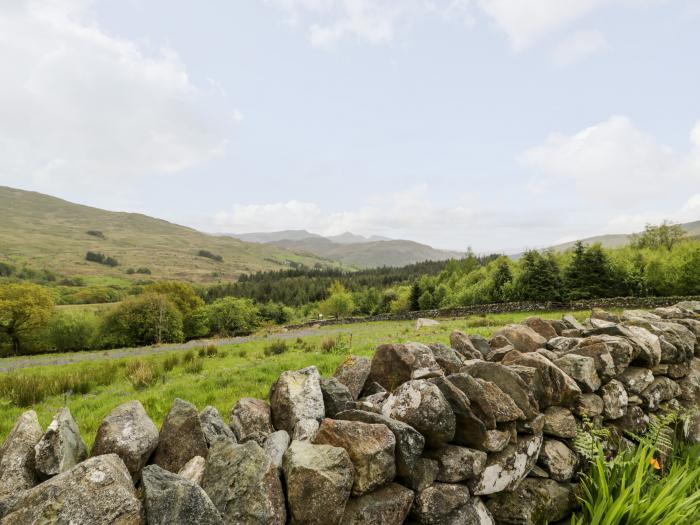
(170,499)
(395,364)
(61,447)
(193,470)
(660,390)
(615,399)
(572,323)
(423,475)
(559,326)
(494,440)
(480,403)
(559,422)
(634,315)
(497,355)
(251,419)
(634,420)
(563,345)
(505,469)
(422,322)
(672,370)
(498,402)
(581,369)
(372,403)
(681,340)
(533,502)
(480,343)
(370,447)
(590,405)
(353,373)
(409,442)
(295,396)
(691,306)
(128,432)
(321,470)
(508,381)
(181,437)
(372,388)
(531,426)
(647,345)
(636,379)
(422,405)
(671,312)
(523,338)
(243,484)
(549,354)
(275,446)
(557,388)
(619,348)
(456,463)
(386,506)
(599,313)
(558,460)
(213,426)
(690,384)
(305,430)
(336,396)
(447,358)
(541,326)
(498,341)
(463,345)
(436,504)
(604,362)
(98,491)
(17,471)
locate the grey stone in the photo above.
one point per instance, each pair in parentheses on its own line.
(542,327)
(370,447)
(422,405)
(447,358)
(213,426)
(251,419)
(636,379)
(193,470)
(591,405)
(463,345)
(243,484)
(660,390)
(457,463)
(295,396)
(562,345)
(128,432)
(423,475)
(171,499)
(321,470)
(336,396)
(505,469)
(275,446)
(523,338)
(559,422)
(305,430)
(395,364)
(98,491)
(17,469)
(481,344)
(581,369)
(409,442)
(615,399)
(558,460)
(386,506)
(533,502)
(181,437)
(61,447)
(436,504)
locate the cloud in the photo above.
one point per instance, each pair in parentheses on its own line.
(578,46)
(83,108)
(523,22)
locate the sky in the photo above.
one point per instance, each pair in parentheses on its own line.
(495,124)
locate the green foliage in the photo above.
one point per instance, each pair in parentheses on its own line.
(24,307)
(540,278)
(210,255)
(141,373)
(185,299)
(276,347)
(275,313)
(101,258)
(339,303)
(232,316)
(72,330)
(96,233)
(147,319)
(666,235)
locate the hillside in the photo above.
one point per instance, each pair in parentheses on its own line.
(45,232)
(621,239)
(369,254)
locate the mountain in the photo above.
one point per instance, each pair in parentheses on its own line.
(351,238)
(45,232)
(284,235)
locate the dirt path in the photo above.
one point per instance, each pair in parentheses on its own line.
(15,363)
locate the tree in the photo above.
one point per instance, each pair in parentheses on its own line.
(149,318)
(589,274)
(414,298)
(540,278)
(665,235)
(501,277)
(339,302)
(24,307)
(689,280)
(425,301)
(186,300)
(232,316)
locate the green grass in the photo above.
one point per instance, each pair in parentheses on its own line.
(218,379)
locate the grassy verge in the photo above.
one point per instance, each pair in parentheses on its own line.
(217,377)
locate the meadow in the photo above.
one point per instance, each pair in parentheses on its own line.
(216,375)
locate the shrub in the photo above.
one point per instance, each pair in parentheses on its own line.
(232,316)
(96,233)
(6,269)
(328,344)
(170,362)
(211,350)
(143,320)
(72,330)
(188,357)
(210,255)
(101,258)
(141,373)
(195,366)
(276,347)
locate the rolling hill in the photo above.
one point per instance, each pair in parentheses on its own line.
(45,232)
(357,251)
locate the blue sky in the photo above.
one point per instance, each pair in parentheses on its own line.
(496,124)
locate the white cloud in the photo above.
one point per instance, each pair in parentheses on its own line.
(578,46)
(84,108)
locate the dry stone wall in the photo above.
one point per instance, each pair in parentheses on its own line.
(475,433)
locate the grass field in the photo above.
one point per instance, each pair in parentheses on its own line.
(92,389)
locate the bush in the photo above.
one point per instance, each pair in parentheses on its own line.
(210,255)
(189,356)
(72,330)
(195,366)
(96,233)
(170,362)
(276,347)
(232,316)
(143,320)
(101,258)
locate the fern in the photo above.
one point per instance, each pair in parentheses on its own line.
(589,439)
